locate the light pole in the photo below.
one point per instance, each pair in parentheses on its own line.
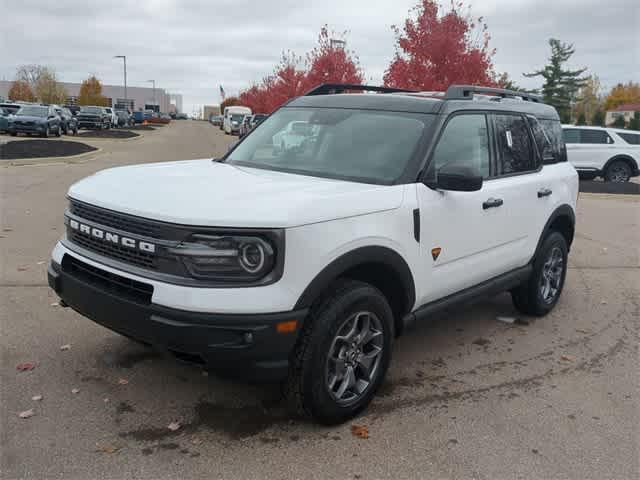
(154,93)
(126,100)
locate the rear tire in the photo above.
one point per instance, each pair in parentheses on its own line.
(618,171)
(540,293)
(342,354)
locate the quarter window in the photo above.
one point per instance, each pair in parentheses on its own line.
(632,138)
(465,141)
(515,148)
(553,130)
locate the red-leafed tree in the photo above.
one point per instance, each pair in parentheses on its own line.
(331,62)
(440,47)
(21,91)
(328,62)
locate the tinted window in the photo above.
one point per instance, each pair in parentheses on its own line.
(632,138)
(571,135)
(553,130)
(594,136)
(34,111)
(465,141)
(359,145)
(515,149)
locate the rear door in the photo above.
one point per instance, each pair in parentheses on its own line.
(588,148)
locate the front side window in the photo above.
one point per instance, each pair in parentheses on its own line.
(465,141)
(571,135)
(515,148)
(358,145)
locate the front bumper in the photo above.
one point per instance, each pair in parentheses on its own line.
(246,346)
(26,128)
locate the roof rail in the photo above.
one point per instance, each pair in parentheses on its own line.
(465,92)
(329,88)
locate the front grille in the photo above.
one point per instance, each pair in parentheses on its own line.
(115,220)
(118,252)
(133,290)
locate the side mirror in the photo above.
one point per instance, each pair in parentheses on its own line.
(460,178)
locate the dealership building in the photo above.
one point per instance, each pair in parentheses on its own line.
(137,98)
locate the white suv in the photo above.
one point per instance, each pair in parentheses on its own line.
(610,153)
(305,264)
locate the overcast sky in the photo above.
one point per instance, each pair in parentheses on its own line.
(193,46)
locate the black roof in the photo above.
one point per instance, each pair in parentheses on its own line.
(456,98)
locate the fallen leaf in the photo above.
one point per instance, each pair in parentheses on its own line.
(568,358)
(27,413)
(173,426)
(36,398)
(506,319)
(65,347)
(75,390)
(359,431)
(26,366)
(55,304)
(603,302)
(40,263)
(107,448)
(123,381)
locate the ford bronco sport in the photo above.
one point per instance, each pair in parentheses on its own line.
(305,263)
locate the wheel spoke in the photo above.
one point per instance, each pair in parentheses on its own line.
(365,361)
(348,337)
(348,381)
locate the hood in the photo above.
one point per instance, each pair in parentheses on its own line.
(28,118)
(206,193)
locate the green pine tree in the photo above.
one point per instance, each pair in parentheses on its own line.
(560,85)
(582,119)
(634,123)
(598,119)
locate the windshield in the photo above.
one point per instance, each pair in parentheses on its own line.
(237,117)
(359,145)
(91,110)
(33,111)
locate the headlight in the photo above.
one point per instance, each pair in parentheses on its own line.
(232,258)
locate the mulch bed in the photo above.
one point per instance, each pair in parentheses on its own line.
(594,186)
(108,134)
(141,127)
(42,148)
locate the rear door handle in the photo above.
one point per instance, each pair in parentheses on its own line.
(492,203)
(544,192)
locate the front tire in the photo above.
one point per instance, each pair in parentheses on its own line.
(618,171)
(342,354)
(540,293)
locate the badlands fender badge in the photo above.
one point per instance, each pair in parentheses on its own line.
(435,253)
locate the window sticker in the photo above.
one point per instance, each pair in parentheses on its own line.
(509,139)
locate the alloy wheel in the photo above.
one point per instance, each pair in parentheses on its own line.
(354,357)
(551,277)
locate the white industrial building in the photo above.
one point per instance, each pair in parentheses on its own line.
(137,97)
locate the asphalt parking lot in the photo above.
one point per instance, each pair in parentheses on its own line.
(467,396)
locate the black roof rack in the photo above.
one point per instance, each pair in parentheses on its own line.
(465,92)
(330,88)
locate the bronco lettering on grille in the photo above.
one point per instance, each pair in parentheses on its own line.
(111,237)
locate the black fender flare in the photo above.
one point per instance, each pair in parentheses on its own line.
(360,256)
(564,210)
(624,157)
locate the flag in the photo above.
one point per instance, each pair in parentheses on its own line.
(222,92)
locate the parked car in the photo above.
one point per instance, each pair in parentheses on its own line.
(113,118)
(93,117)
(245,126)
(125,119)
(74,109)
(11,107)
(182,116)
(216,120)
(293,136)
(35,120)
(233,117)
(603,152)
(69,123)
(257,119)
(4,119)
(406,205)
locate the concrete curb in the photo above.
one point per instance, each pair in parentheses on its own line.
(98,139)
(50,160)
(614,196)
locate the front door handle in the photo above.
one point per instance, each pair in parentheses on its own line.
(544,192)
(492,203)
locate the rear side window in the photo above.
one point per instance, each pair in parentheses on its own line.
(571,135)
(631,138)
(595,137)
(553,130)
(515,148)
(543,143)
